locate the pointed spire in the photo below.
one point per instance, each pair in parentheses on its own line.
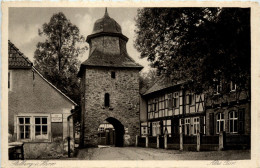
(106,13)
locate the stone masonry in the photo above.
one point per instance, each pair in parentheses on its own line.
(124,101)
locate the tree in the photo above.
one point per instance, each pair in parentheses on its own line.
(57,57)
(146,80)
(199,45)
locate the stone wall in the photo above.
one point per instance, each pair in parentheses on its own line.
(124,102)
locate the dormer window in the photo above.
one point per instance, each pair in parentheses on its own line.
(113,75)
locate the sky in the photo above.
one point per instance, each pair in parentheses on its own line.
(24,23)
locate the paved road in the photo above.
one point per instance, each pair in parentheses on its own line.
(136,153)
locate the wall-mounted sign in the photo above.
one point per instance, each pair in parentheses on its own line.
(56,117)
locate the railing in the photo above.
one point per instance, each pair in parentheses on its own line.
(237,139)
(189,139)
(173,140)
(141,140)
(209,139)
(198,142)
(152,139)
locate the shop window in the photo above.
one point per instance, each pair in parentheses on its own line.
(233,122)
(113,74)
(107,103)
(220,122)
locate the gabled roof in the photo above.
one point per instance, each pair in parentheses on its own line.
(16,59)
(161,84)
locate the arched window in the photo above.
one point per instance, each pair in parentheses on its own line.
(107,100)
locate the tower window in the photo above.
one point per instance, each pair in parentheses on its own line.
(113,74)
(107,100)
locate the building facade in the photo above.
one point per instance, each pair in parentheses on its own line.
(173,110)
(109,85)
(168,108)
(37,111)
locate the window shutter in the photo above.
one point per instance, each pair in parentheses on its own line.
(170,101)
(211,123)
(151,129)
(241,121)
(202,124)
(161,127)
(191,126)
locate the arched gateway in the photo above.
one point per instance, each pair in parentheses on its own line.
(109,85)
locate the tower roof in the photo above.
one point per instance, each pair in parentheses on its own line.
(106,24)
(105,52)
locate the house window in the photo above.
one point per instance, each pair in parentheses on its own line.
(156,129)
(113,74)
(33,127)
(187,126)
(107,100)
(24,128)
(233,86)
(190,99)
(101,129)
(233,120)
(169,101)
(176,100)
(167,127)
(41,128)
(144,131)
(220,122)
(182,126)
(196,125)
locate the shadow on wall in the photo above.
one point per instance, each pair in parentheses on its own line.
(119,131)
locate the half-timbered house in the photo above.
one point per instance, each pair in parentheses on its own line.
(172,110)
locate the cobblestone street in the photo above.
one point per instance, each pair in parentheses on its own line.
(137,153)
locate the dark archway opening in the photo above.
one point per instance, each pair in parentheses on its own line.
(119,131)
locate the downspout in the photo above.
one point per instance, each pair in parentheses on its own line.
(68,126)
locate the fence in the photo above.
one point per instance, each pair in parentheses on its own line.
(198,143)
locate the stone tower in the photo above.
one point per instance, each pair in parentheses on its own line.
(109,85)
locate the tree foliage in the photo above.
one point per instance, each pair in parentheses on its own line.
(57,57)
(146,80)
(197,45)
